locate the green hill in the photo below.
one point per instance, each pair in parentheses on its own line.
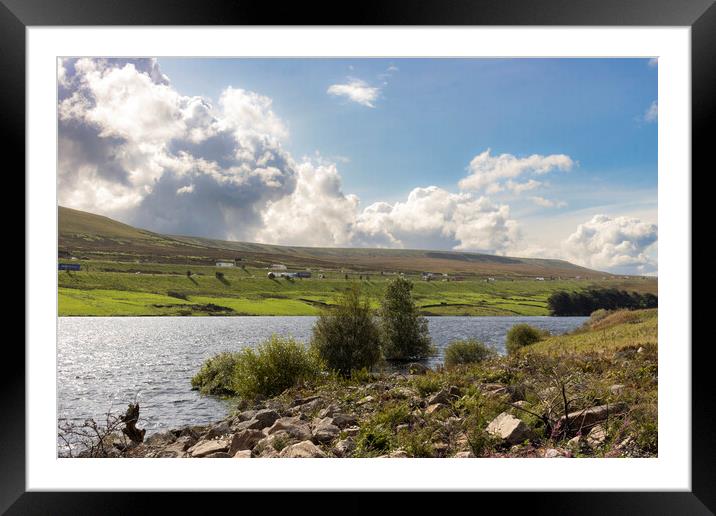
(89,236)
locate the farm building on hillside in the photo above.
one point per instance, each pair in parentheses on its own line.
(68,266)
(278,267)
(303,274)
(225,263)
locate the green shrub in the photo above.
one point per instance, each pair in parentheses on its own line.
(216,375)
(276,365)
(469,351)
(346,336)
(521,335)
(404,332)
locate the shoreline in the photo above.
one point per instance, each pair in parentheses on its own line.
(507,406)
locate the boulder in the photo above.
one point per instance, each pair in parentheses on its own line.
(464,455)
(344,447)
(246,415)
(186,441)
(204,448)
(596,436)
(302,450)
(325,431)
(329,411)
(510,429)
(293,426)
(276,441)
(352,431)
(219,430)
(269,453)
(581,420)
(242,454)
(174,450)
(344,420)
(262,419)
(245,440)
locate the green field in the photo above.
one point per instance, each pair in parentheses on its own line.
(131,271)
(119,288)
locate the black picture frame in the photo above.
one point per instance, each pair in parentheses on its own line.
(700,15)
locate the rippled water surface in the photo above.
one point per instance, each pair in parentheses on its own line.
(105,362)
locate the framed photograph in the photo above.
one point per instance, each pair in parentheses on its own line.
(442,235)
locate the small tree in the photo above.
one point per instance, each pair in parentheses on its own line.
(346,336)
(404,332)
(521,335)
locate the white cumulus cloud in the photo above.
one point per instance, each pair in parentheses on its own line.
(489,173)
(616,244)
(652,112)
(357,91)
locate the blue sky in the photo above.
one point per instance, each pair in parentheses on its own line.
(434,115)
(531,157)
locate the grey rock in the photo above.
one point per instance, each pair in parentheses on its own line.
(509,428)
(464,455)
(581,420)
(293,426)
(325,431)
(203,448)
(304,449)
(352,431)
(596,436)
(263,419)
(344,420)
(245,440)
(242,454)
(329,411)
(344,447)
(219,430)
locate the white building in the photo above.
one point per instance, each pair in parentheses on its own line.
(278,267)
(225,263)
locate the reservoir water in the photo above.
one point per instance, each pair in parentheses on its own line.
(103,363)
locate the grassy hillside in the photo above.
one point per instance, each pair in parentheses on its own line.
(616,331)
(127,271)
(90,236)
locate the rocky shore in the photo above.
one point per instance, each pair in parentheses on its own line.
(330,423)
(592,393)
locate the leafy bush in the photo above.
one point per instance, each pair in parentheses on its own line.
(277,364)
(216,375)
(521,335)
(346,336)
(404,332)
(468,351)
